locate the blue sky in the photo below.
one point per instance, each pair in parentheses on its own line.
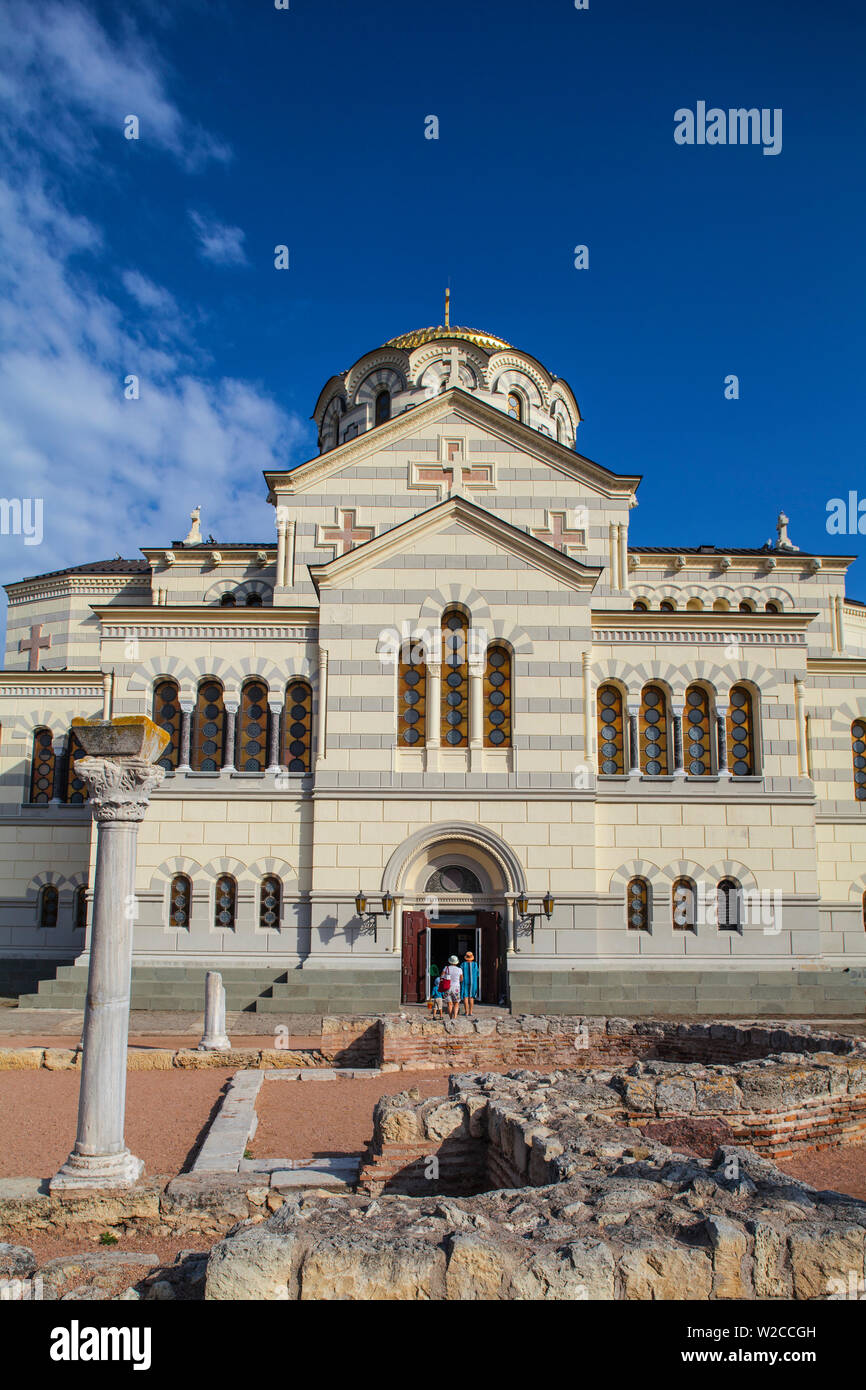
(306,127)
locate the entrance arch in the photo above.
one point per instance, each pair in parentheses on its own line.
(454,879)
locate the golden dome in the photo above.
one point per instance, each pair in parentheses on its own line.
(488,341)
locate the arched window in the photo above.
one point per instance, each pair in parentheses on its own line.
(695,605)
(721,605)
(383,407)
(497,697)
(79,905)
(696,733)
(684,905)
(208,728)
(730,902)
(298,727)
(741,733)
(253,730)
(654,732)
(455,685)
(772,607)
(49,900)
(453,878)
(166,714)
(180,901)
(858,752)
(640,606)
(515,405)
(270,902)
(746,606)
(228,601)
(253,600)
(225,902)
(611,735)
(666,606)
(412,695)
(637,905)
(76,787)
(42,767)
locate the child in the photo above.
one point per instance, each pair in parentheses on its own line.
(436,996)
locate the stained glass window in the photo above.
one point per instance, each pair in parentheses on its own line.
(76,787)
(515,406)
(253,733)
(858,751)
(208,728)
(225,902)
(453,879)
(654,732)
(180,901)
(269,902)
(637,905)
(166,714)
(455,680)
(412,695)
(611,737)
(683,905)
(49,900)
(497,698)
(42,767)
(298,727)
(696,733)
(741,736)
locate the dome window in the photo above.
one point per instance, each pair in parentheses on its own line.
(515,406)
(383,407)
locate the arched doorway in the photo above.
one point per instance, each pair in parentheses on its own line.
(455,882)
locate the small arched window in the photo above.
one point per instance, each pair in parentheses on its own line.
(270,902)
(253,732)
(730,905)
(225,902)
(228,601)
(208,728)
(746,605)
(611,735)
(412,695)
(497,697)
(772,607)
(298,727)
(695,605)
(666,606)
(166,714)
(721,605)
(76,787)
(79,905)
(49,900)
(640,606)
(637,905)
(858,753)
(684,905)
(455,683)
(696,733)
(253,600)
(180,902)
(515,405)
(654,732)
(42,767)
(741,733)
(383,407)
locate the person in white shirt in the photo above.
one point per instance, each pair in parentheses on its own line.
(451,979)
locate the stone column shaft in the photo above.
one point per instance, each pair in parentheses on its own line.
(634,744)
(677,731)
(229,749)
(186,709)
(434,704)
(476,706)
(722,743)
(322,723)
(276,712)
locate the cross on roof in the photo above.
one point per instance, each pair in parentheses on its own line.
(33,645)
(345,535)
(557,535)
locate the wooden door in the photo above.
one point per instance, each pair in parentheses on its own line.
(488,924)
(415,928)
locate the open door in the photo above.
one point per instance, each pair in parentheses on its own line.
(415,930)
(488,924)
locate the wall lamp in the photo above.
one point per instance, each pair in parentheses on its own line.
(547,906)
(362,910)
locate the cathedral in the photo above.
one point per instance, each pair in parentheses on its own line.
(449,704)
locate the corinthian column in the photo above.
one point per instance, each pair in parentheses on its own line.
(120,772)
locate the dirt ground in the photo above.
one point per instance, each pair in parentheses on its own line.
(306,1119)
(843,1169)
(167,1113)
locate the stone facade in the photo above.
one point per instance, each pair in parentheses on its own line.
(455,488)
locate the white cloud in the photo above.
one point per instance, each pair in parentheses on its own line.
(114,474)
(218,243)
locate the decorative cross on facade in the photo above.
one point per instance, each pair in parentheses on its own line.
(452,472)
(557,534)
(33,645)
(345,535)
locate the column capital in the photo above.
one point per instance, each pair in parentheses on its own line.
(119,788)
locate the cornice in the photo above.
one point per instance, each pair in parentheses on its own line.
(28,590)
(836,665)
(210,623)
(476,520)
(783,629)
